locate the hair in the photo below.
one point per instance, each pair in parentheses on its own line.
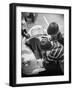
(53,28)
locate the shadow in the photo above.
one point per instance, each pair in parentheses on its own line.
(7,84)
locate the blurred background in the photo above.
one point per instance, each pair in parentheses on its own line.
(43,19)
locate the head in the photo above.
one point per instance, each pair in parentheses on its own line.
(53,30)
(45,44)
(30,18)
(44,40)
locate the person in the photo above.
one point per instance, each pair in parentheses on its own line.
(55,58)
(38,46)
(34,43)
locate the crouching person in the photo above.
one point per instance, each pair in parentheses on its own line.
(55,57)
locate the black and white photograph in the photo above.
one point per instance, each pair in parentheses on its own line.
(42,44)
(40,40)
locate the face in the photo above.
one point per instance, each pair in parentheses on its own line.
(44,40)
(46,44)
(54,37)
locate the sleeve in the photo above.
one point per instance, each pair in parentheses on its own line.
(56,54)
